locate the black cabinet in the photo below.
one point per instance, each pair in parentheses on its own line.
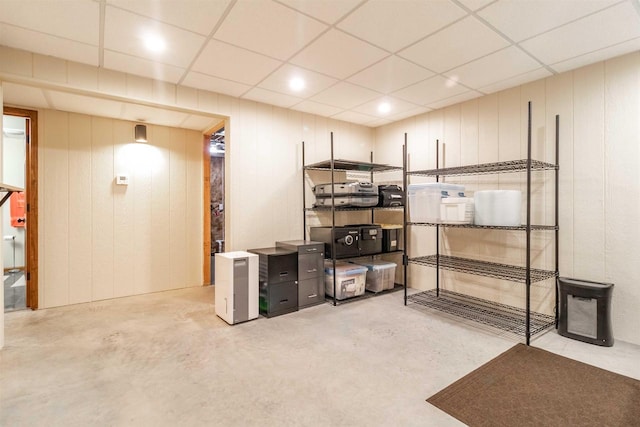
(310,270)
(278,277)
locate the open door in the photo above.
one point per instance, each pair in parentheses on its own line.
(213,197)
(30,267)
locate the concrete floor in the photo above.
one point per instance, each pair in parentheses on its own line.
(165,359)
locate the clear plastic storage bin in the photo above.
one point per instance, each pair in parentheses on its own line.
(350,279)
(380,275)
(424,200)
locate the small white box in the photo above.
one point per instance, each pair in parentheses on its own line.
(456,210)
(350,279)
(424,200)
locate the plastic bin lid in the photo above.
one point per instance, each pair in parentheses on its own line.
(344,268)
(377,265)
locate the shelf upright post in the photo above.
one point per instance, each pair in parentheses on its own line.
(437,226)
(304,200)
(405,244)
(371,181)
(528,254)
(333,222)
(557,254)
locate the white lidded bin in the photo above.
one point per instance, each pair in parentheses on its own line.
(498,207)
(350,279)
(456,210)
(380,275)
(424,199)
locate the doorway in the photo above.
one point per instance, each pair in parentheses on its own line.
(214,171)
(20,226)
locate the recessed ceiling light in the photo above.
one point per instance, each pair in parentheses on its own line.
(384,107)
(296,84)
(154,43)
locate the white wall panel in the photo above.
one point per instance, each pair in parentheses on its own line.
(55,174)
(80,224)
(193,217)
(178,208)
(102,208)
(160,212)
(622,191)
(588,172)
(124,256)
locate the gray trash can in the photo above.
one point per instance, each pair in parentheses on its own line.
(585,311)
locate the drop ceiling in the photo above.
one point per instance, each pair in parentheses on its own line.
(352,54)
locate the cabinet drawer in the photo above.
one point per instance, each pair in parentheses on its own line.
(280,298)
(310,291)
(309,266)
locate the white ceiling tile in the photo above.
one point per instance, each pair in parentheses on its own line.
(125,31)
(353,117)
(48,45)
(23,96)
(199,123)
(159,116)
(201,16)
(272,98)
(431,90)
(54,18)
(409,113)
(328,11)
(142,67)
(390,74)
(475,4)
(457,44)
(378,122)
(455,99)
(338,54)
(598,55)
(222,60)
(393,25)
(314,82)
(397,106)
(520,20)
(607,28)
(317,108)
(214,84)
(268,28)
(84,104)
(498,66)
(345,95)
(530,76)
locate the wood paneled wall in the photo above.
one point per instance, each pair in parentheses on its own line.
(599,106)
(100,240)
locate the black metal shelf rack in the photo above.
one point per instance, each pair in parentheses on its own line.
(490,313)
(520,321)
(338,165)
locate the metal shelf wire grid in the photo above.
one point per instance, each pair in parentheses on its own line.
(487,227)
(482,268)
(487,168)
(489,313)
(348,165)
(338,209)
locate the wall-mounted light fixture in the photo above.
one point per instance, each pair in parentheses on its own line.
(141,133)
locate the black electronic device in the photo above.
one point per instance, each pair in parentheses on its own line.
(370,238)
(390,196)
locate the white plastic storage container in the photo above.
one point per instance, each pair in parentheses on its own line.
(498,207)
(350,279)
(424,200)
(456,210)
(380,275)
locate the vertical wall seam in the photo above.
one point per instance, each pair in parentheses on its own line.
(604,169)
